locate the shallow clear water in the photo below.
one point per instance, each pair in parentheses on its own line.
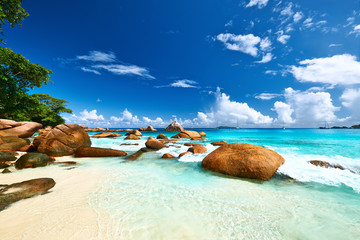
(152,198)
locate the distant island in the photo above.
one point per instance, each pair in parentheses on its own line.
(343,127)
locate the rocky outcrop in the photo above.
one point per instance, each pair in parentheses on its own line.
(188,134)
(243,160)
(132,137)
(7,157)
(220,143)
(98,152)
(148,128)
(167,156)
(152,143)
(135,132)
(18,129)
(106,135)
(202,134)
(197,149)
(62,140)
(11,143)
(182,154)
(161,136)
(139,153)
(174,126)
(325,164)
(18,191)
(32,160)
(27,148)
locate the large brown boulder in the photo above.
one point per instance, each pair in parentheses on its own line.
(197,149)
(135,132)
(174,126)
(98,152)
(189,134)
(17,191)
(7,157)
(11,143)
(243,160)
(18,129)
(148,128)
(202,134)
(62,140)
(106,135)
(32,160)
(132,137)
(152,143)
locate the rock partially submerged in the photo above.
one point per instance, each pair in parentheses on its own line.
(62,140)
(107,135)
(152,143)
(27,189)
(139,153)
(11,143)
(135,132)
(188,134)
(197,149)
(32,160)
(98,152)
(161,136)
(7,157)
(167,156)
(220,143)
(243,160)
(202,134)
(18,129)
(132,137)
(174,126)
(325,164)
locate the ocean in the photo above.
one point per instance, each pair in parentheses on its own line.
(154,198)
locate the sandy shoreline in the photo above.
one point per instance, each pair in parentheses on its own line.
(64,213)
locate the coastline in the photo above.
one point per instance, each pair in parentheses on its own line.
(63,213)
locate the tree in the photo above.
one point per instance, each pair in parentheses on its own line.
(11,11)
(17,76)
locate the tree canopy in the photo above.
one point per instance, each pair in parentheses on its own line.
(12,12)
(17,76)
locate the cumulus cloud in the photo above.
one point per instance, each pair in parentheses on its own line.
(242,43)
(97,56)
(356,30)
(284,112)
(351,99)
(336,70)
(119,69)
(281,37)
(230,113)
(310,108)
(298,16)
(259,3)
(266,58)
(87,117)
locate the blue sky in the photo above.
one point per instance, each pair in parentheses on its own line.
(252,63)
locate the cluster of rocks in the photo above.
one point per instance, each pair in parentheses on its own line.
(352,127)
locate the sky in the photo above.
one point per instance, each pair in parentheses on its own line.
(245,63)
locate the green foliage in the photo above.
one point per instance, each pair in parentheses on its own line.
(17,76)
(11,11)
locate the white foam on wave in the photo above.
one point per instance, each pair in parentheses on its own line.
(298,167)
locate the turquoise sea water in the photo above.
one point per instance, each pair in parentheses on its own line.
(152,198)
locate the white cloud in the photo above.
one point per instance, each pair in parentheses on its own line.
(336,70)
(271,72)
(242,43)
(284,112)
(335,45)
(88,118)
(265,44)
(351,99)
(267,96)
(266,58)
(308,22)
(229,23)
(350,21)
(184,83)
(259,3)
(283,38)
(311,108)
(298,16)
(230,113)
(98,100)
(120,69)
(85,69)
(97,56)
(356,30)
(287,11)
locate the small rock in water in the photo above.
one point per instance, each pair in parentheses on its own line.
(161,136)
(152,143)
(325,164)
(98,152)
(197,149)
(6,171)
(220,143)
(167,156)
(132,137)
